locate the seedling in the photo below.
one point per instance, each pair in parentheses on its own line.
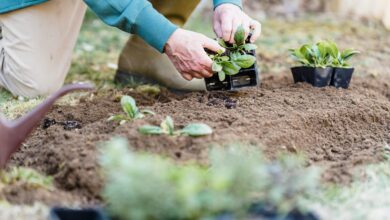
(235,68)
(236,57)
(321,64)
(167,127)
(131,110)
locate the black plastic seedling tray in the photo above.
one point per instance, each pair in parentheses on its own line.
(248,77)
(321,77)
(257,211)
(77,214)
(318,77)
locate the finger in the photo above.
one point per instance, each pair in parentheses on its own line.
(247,28)
(207,74)
(211,45)
(236,23)
(227,28)
(187,76)
(197,75)
(218,29)
(256,27)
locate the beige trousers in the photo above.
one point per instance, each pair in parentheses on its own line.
(37,44)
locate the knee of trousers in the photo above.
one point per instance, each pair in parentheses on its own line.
(28,82)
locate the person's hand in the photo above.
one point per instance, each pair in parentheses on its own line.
(186,51)
(228,17)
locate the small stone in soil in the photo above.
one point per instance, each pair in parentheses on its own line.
(71,125)
(48,122)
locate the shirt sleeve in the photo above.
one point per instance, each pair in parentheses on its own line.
(136,17)
(220,2)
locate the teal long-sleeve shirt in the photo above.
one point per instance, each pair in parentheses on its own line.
(133,16)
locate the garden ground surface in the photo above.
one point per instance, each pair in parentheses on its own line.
(338,130)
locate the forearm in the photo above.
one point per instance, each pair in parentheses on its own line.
(136,17)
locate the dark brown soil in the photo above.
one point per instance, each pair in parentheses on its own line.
(337,129)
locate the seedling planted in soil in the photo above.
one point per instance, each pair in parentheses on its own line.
(323,65)
(131,110)
(167,127)
(235,68)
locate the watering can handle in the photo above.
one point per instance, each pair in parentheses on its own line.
(13,133)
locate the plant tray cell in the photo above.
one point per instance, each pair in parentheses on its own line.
(342,77)
(77,214)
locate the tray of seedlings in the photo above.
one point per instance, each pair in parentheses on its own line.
(323,64)
(236,67)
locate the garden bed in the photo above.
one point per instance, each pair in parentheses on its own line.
(338,130)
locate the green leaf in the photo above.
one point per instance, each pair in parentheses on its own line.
(117,118)
(245,61)
(332,49)
(148,112)
(239,36)
(197,129)
(167,126)
(249,47)
(221,76)
(224,58)
(129,106)
(348,54)
(149,129)
(216,67)
(222,43)
(230,68)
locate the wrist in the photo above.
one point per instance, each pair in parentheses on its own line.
(218,3)
(171,40)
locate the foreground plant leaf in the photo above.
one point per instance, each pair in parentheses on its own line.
(197,129)
(150,129)
(167,127)
(146,186)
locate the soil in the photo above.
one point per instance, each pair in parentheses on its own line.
(337,129)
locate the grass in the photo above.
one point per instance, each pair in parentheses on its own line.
(365,198)
(26,176)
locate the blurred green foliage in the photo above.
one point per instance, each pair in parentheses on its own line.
(144,186)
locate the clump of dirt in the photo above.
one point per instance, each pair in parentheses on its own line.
(337,129)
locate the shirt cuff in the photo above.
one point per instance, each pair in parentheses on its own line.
(154,28)
(234,2)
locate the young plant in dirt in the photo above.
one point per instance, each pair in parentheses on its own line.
(239,182)
(131,111)
(167,127)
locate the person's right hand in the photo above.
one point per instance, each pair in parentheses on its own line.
(186,51)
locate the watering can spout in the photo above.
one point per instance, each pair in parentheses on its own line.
(13,133)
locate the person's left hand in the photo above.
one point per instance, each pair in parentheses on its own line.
(228,17)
